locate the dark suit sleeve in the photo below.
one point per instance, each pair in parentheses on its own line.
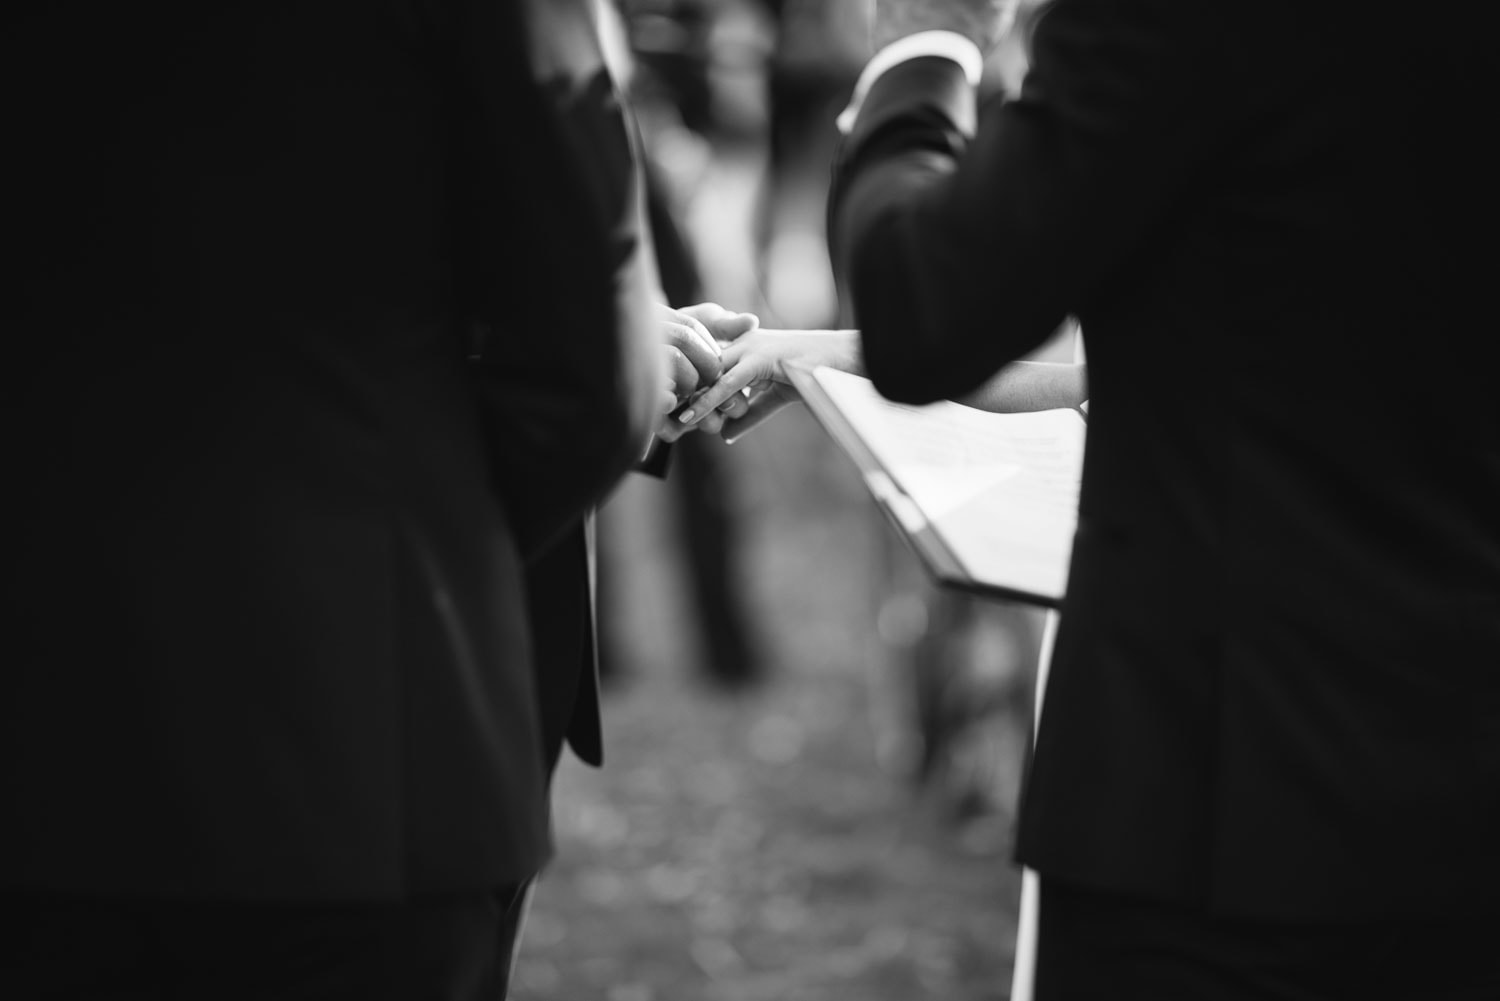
(962,249)
(551,255)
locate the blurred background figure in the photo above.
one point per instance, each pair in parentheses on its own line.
(754,87)
(692,72)
(820,46)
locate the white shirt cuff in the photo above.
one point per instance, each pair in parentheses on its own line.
(947,44)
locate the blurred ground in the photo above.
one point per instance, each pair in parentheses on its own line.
(768,844)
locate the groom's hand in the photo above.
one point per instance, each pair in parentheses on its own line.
(692,336)
(690,353)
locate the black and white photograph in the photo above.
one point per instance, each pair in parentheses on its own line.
(750,500)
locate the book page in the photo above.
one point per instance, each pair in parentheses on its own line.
(1001,490)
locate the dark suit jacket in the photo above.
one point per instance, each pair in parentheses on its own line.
(333,320)
(563,586)
(1276,686)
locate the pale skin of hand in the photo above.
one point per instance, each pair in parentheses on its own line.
(757,362)
(691,337)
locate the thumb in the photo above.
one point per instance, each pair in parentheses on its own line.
(723,324)
(736,325)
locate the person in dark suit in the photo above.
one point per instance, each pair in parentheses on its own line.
(1268,763)
(336,321)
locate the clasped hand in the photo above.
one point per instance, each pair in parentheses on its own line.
(752,382)
(693,339)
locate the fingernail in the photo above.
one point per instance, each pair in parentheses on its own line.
(685,416)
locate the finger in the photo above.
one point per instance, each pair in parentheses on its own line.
(701,350)
(682,374)
(722,324)
(761,409)
(667,402)
(710,423)
(670,430)
(690,322)
(736,405)
(729,384)
(736,325)
(700,329)
(736,352)
(708,313)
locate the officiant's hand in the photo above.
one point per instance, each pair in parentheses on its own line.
(692,337)
(756,364)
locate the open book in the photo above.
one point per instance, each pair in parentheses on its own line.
(988,501)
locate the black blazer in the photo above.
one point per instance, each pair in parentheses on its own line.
(333,320)
(1276,686)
